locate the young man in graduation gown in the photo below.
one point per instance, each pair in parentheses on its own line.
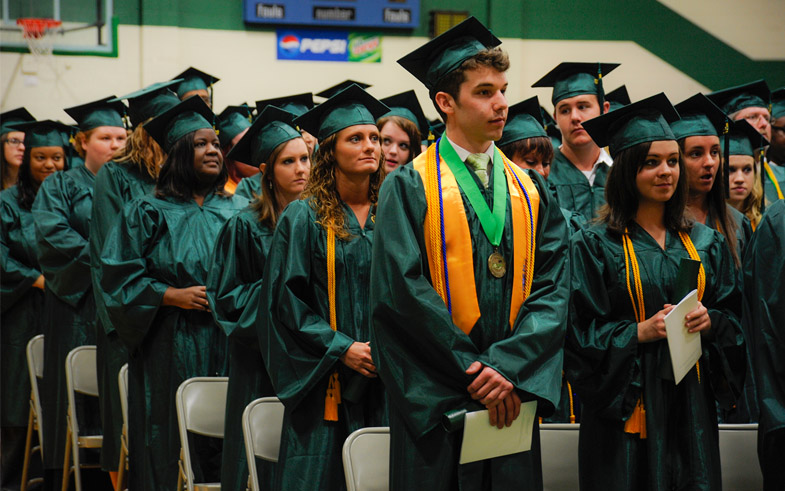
(579,166)
(487,330)
(764,289)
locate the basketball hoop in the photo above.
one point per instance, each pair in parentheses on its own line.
(38,33)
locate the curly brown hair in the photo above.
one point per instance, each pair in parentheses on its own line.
(142,151)
(494,58)
(322,188)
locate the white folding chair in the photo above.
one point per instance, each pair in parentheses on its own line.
(35,369)
(559,450)
(366,459)
(739,457)
(201,408)
(81,377)
(262,421)
(122,382)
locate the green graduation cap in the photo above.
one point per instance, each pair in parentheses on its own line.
(551,128)
(699,117)
(14,117)
(273,127)
(778,103)
(734,99)
(349,107)
(569,79)
(618,98)
(435,59)
(193,79)
(297,104)
(435,130)
(188,116)
(327,93)
(232,121)
(744,139)
(644,121)
(46,133)
(407,106)
(150,101)
(524,120)
(104,112)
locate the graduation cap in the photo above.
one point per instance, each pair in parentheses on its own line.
(349,107)
(699,117)
(777,103)
(273,127)
(104,112)
(407,106)
(734,99)
(188,116)
(432,61)
(435,130)
(14,117)
(744,139)
(150,101)
(570,79)
(327,93)
(298,104)
(45,133)
(524,120)
(551,128)
(618,98)
(193,79)
(232,121)
(644,121)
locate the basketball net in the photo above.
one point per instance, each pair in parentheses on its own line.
(39,35)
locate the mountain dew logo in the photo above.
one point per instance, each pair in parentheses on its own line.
(365,48)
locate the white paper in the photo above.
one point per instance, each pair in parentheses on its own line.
(684,346)
(482,441)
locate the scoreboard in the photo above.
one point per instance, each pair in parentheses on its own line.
(390,14)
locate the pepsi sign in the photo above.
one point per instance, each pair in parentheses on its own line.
(315,45)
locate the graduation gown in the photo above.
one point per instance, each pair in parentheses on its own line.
(234,284)
(301,351)
(159,243)
(249,187)
(422,356)
(61,213)
(115,185)
(764,308)
(572,188)
(768,187)
(611,370)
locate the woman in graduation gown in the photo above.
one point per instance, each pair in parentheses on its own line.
(402,129)
(12,146)
(62,211)
(764,306)
(22,285)
(152,274)
(638,429)
(236,270)
(130,175)
(314,310)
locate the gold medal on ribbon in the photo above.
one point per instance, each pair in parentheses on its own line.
(497,265)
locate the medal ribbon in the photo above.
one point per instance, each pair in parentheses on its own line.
(492,222)
(333,397)
(637,421)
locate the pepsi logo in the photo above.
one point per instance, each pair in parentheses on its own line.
(289,44)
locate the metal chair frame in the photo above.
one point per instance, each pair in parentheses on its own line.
(262,422)
(35,370)
(366,459)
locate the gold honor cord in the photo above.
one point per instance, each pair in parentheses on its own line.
(637,421)
(333,397)
(773,179)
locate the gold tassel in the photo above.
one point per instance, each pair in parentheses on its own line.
(332,399)
(637,421)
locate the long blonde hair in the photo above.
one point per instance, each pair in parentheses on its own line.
(750,207)
(143,151)
(322,188)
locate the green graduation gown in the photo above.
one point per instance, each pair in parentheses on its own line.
(159,243)
(573,190)
(20,320)
(768,187)
(61,213)
(764,308)
(611,370)
(115,185)
(301,351)
(234,284)
(422,356)
(249,187)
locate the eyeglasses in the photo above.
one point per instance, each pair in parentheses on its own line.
(14,142)
(754,118)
